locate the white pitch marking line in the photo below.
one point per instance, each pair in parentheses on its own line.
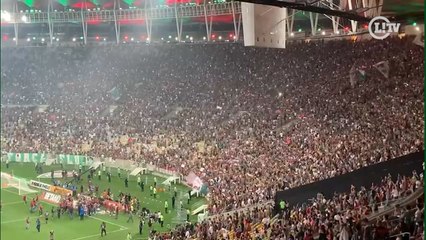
(99,219)
(18,220)
(12,203)
(95,235)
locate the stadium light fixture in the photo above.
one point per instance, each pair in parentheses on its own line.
(132,39)
(57,39)
(34,38)
(319,29)
(186,36)
(292,34)
(300,30)
(14,39)
(191,39)
(170,36)
(204,38)
(147,39)
(323,32)
(42,39)
(104,39)
(417,29)
(176,38)
(28,39)
(414,24)
(73,39)
(337,32)
(220,37)
(162,39)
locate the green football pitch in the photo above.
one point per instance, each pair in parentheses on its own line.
(14,211)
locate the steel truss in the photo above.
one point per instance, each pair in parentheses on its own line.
(117,15)
(150,13)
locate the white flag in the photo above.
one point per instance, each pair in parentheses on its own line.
(383,68)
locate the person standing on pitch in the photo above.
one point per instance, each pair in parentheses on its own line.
(38,224)
(52,236)
(166,206)
(155,181)
(129,236)
(154,192)
(109,177)
(27,223)
(119,172)
(142,185)
(139,179)
(141,223)
(103,229)
(130,217)
(99,174)
(173,202)
(126,182)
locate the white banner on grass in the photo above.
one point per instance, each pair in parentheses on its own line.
(40,185)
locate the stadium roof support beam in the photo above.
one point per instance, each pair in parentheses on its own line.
(148,20)
(49,21)
(16,24)
(84,26)
(179,22)
(290,21)
(313,18)
(237,23)
(116,23)
(207,22)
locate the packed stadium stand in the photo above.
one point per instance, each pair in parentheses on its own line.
(248,121)
(251,124)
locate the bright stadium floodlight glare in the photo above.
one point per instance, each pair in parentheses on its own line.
(24,18)
(28,39)
(147,39)
(337,32)
(6,16)
(191,39)
(170,36)
(57,39)
(14,39)
(132,39)
(220,37)
(73,39)
(104,39)
(323,32)
(204,38)
(162,39)
(417,29)
(186,36)
(292,34)
(34,38)
(176,38)
(42,39)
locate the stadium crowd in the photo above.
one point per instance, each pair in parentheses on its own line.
(345,216)
(248,121)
